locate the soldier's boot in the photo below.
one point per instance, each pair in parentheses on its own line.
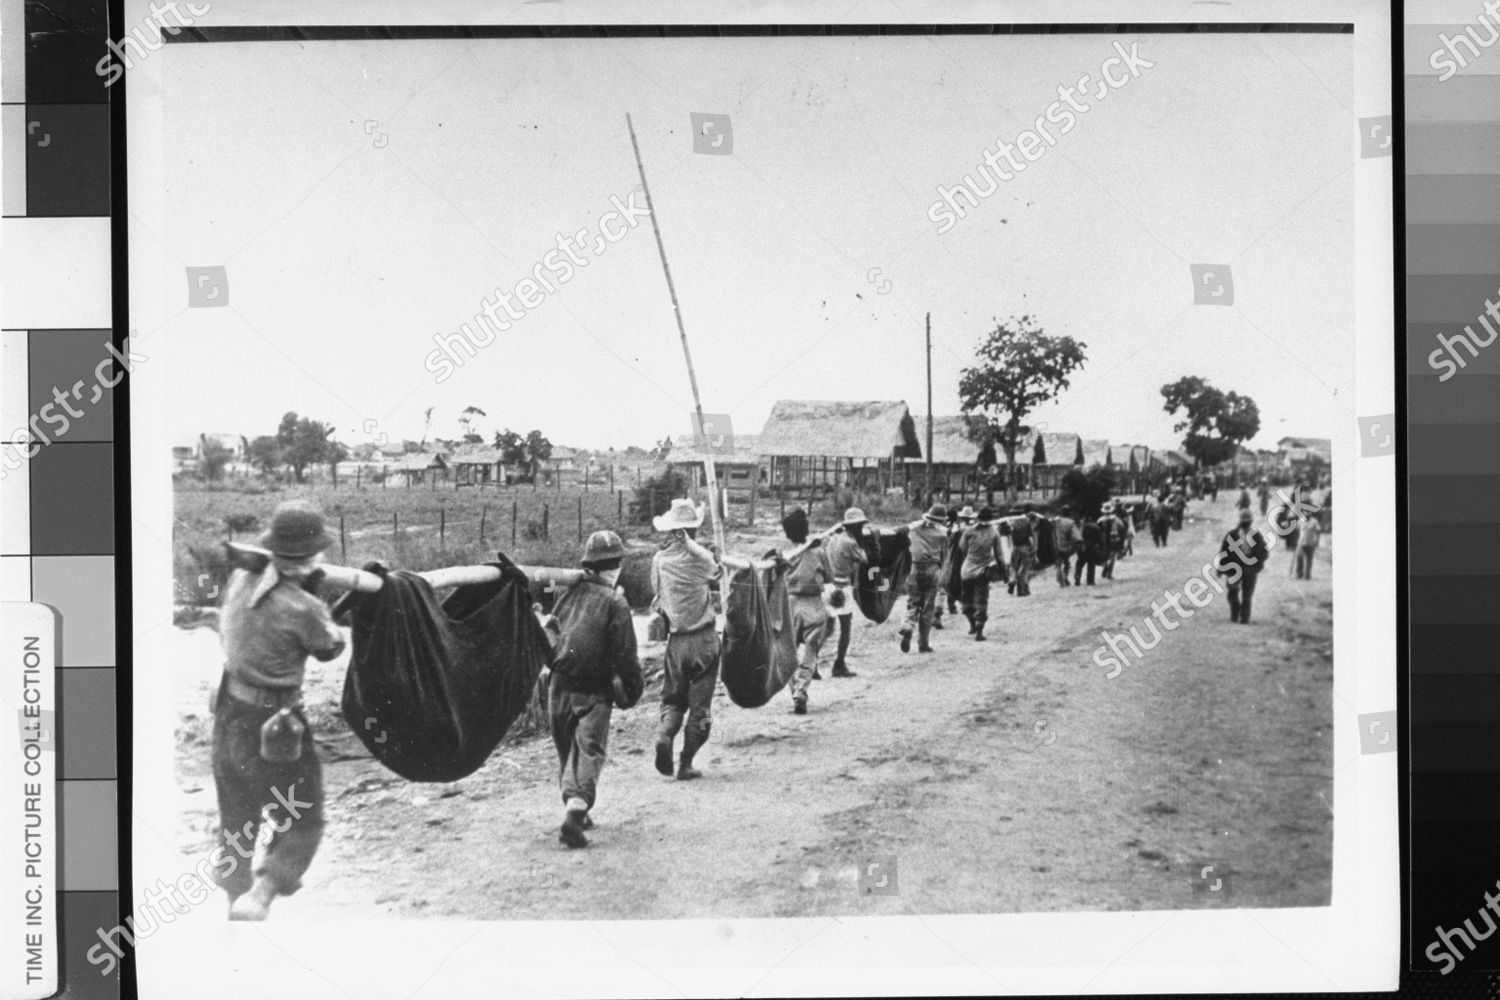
(924,634)
(664,756)
(572,824)
(979,633)
(691,742)
(906,639)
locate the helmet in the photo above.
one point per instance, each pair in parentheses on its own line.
(601,547)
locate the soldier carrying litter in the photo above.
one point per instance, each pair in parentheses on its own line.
(929,542)
(681,575)
(264,760)
(847,556)
(595,670)
(808,573)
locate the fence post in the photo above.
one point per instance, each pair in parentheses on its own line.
(580,519)
(619,508)
(546,523)
(515,506)
(396,527)
(442,527)
(585,477)
(343,543)
(434,481)
(483,511)
(357,470)
(782,495)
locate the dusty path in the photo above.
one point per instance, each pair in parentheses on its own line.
(1011,775)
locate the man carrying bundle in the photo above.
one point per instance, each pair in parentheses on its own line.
(848,559)
(808,573)
(681,575)
(266,768)
(596,669)
(1022,552)
(980,545)
(1160,517)
(1069,541)
(929,543)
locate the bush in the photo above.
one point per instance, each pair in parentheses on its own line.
(238,524)
(654,496)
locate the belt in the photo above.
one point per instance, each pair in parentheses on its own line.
(694,631)
(261,696)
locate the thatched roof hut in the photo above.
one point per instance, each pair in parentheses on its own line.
(1097,452)
(819,443)
(1060,449)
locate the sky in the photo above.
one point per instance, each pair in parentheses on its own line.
(364,197)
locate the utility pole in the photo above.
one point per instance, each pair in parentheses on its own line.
(928,492)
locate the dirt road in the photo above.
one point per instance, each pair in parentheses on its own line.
(1005,776)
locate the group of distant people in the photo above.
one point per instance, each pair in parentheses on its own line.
(270,624)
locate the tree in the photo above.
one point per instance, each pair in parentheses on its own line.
(213,459)
(538,450)
(1216,422)
(466,420)
(1019,368)
(303,442)
(265,454)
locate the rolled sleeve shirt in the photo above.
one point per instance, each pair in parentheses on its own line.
(680,576)
(266,642)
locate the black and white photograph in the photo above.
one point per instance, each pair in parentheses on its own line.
(797,475)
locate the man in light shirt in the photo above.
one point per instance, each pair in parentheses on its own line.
(681,576)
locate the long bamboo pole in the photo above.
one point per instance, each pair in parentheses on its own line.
(711,474)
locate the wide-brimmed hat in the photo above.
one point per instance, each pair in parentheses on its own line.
(1108,507)
(988,514)
(937,512)
(855,516)
(296,531)
(967,514)
(682,514)
(602,546)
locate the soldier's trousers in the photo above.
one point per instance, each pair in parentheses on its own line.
(1240,595)
(976,598)
(260,798)
(580,732)
(921,596)
(811,625)
(690,673)
(1020,568)
(1064,568)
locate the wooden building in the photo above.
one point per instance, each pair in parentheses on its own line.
(737,467)
(475,465)
(816,446)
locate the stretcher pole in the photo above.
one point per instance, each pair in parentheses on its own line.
(349,578)
(710,472)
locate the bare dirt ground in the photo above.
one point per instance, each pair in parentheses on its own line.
(1005,776)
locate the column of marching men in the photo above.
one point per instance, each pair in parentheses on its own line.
(264,758)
